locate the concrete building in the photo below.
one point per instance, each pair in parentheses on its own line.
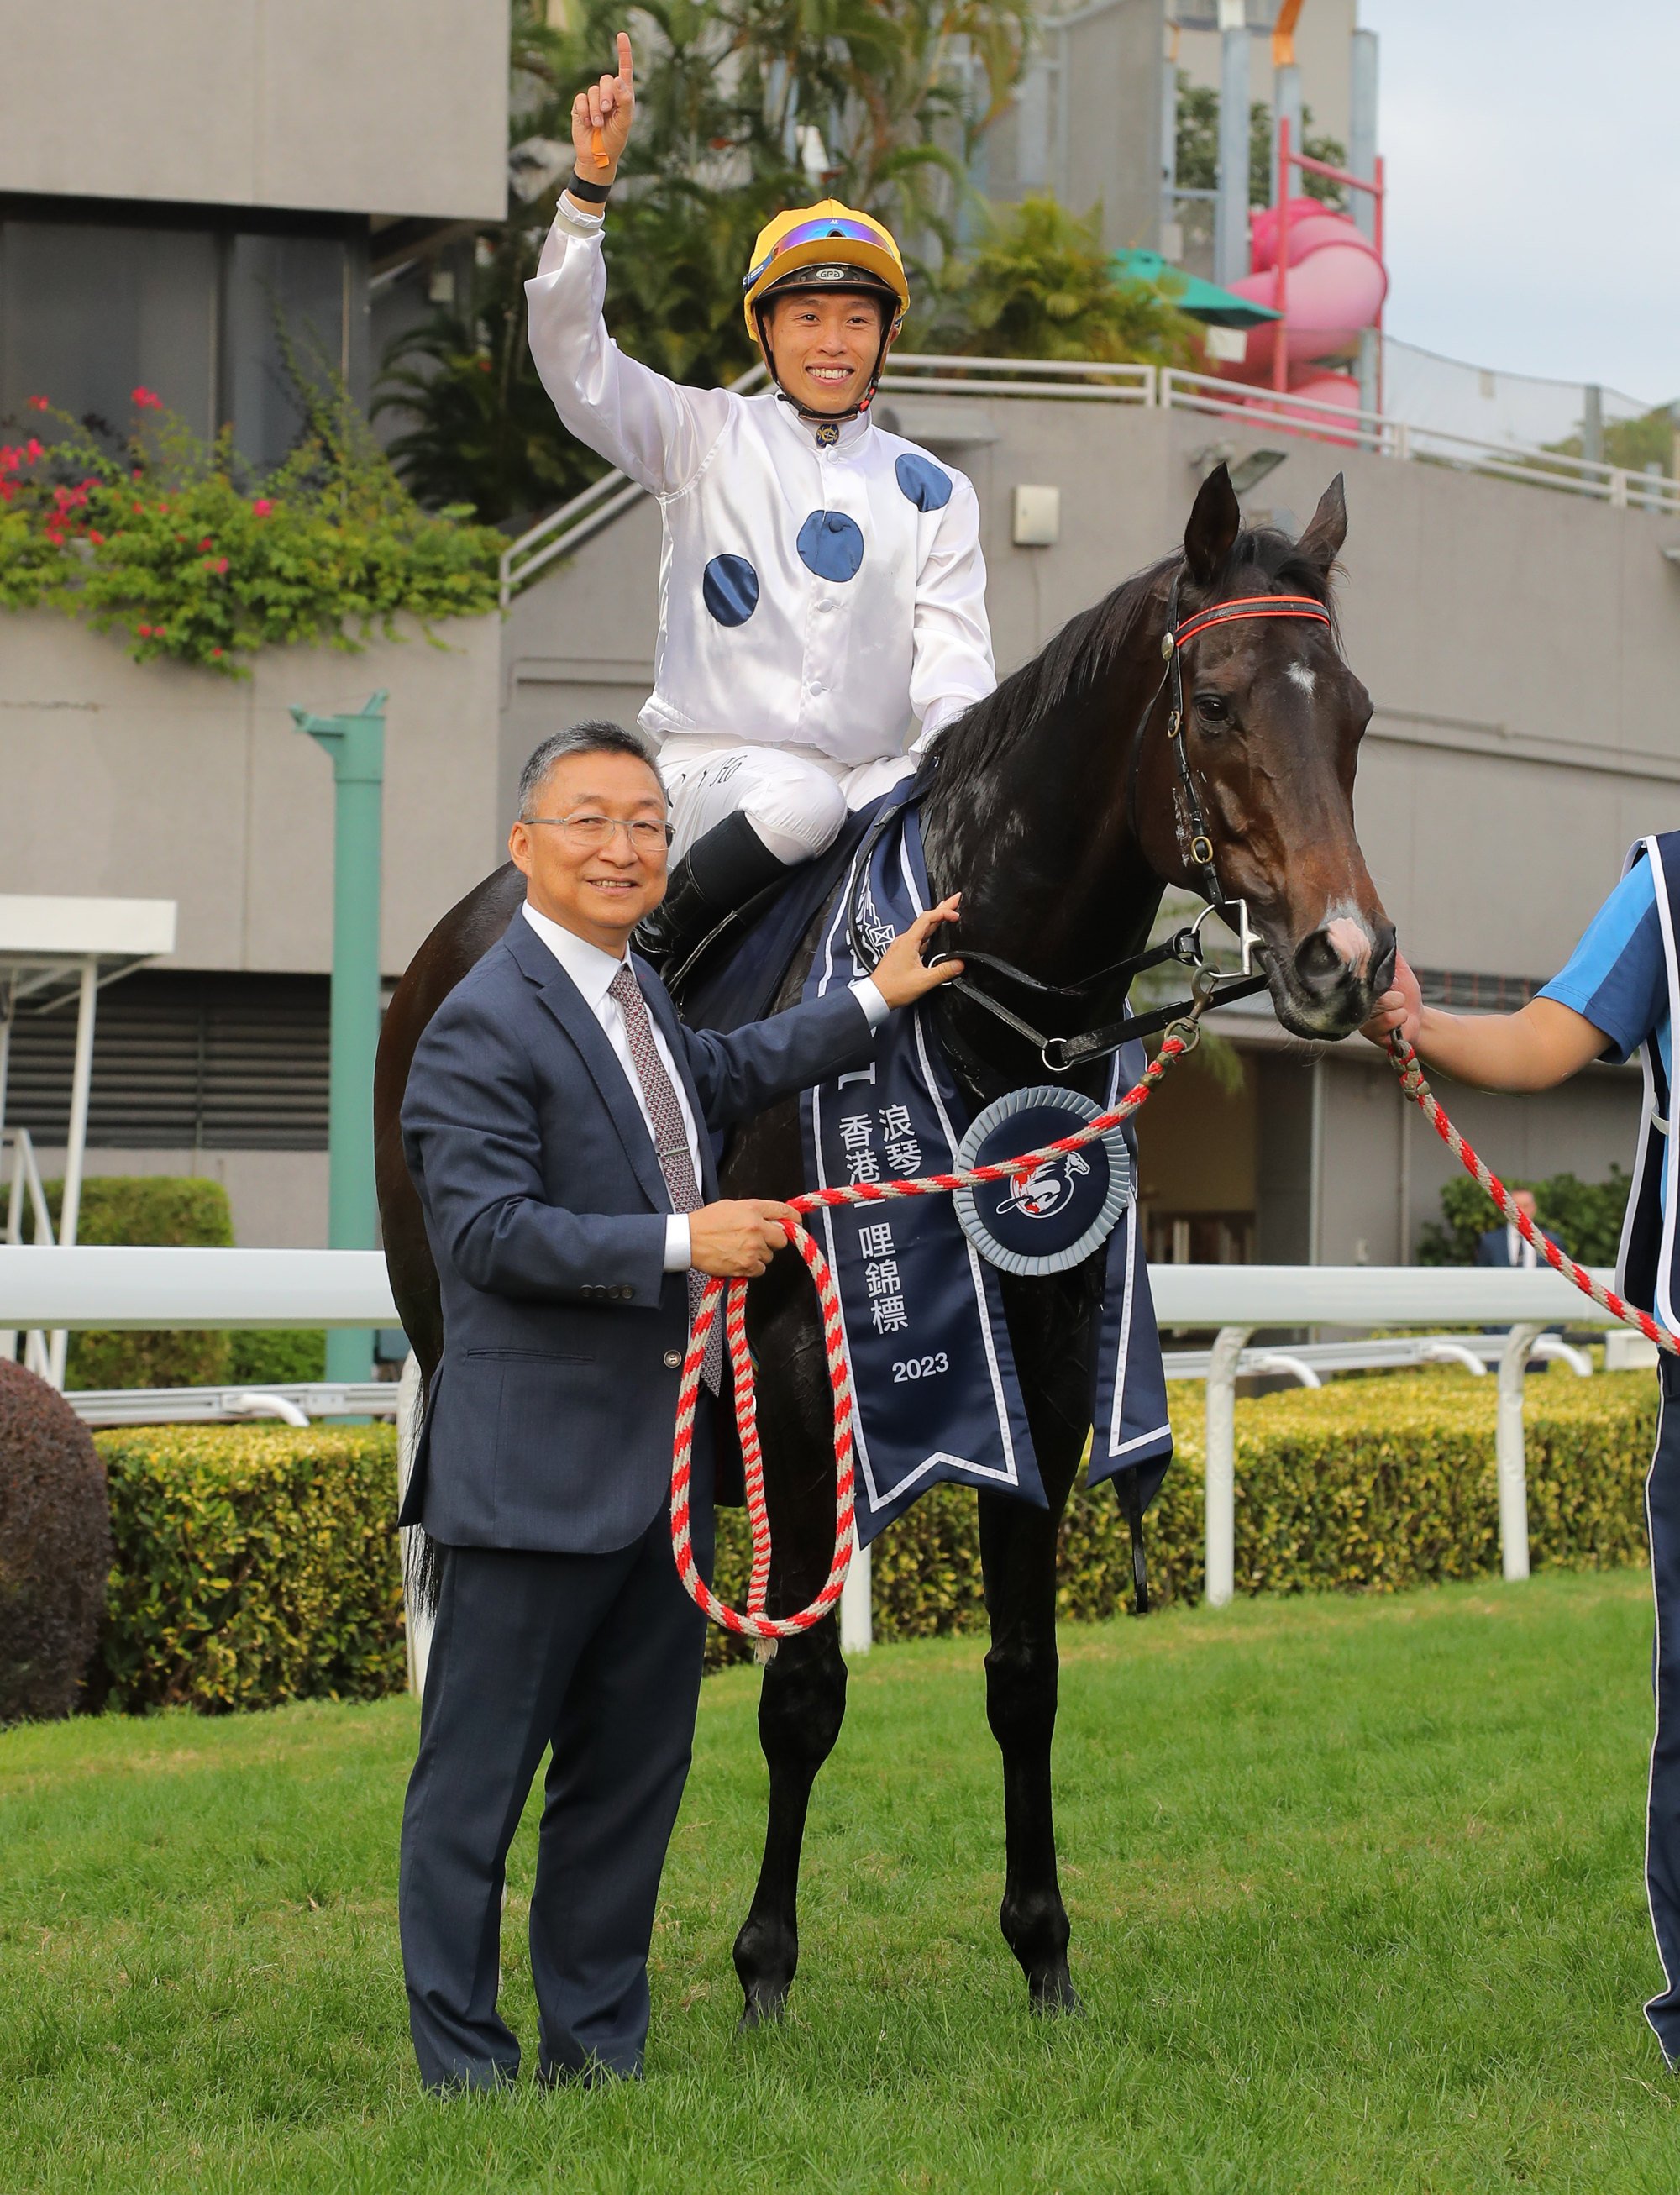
(174,180)
(1520,645)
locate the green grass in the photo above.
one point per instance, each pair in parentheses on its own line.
(1355,1884)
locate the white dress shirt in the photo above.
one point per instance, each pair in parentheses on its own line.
(592,971)
(823,598)
(1519,1254)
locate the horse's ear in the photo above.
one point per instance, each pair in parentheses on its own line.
(1321,543)
(1214,518)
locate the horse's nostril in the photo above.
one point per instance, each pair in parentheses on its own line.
(1383,965)
(1317,962)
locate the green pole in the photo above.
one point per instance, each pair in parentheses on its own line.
(357,746)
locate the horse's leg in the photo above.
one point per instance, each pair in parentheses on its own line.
(1017,1548)
(801,1706)
(1051,1328)
(802,1702)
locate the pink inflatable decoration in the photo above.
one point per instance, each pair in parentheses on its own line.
(1335,290)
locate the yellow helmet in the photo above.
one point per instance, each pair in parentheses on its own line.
(827,244)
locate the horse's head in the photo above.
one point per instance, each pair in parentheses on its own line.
(1272,721)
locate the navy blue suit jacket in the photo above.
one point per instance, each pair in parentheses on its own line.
(549,1424)
(1493,1249)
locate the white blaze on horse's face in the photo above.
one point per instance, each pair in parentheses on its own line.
(1344,926)
(1301,674)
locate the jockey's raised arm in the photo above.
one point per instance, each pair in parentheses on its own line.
(822,611)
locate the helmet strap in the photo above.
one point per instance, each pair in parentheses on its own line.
(831,419)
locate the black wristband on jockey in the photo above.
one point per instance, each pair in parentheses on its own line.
(594,193)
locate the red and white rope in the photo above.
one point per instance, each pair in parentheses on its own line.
(1410,1071)
(752,1622)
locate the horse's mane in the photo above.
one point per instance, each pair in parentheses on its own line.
(1263,561)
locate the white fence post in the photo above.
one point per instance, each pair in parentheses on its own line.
(1221,1452)
(857,1615)
(1512,1465)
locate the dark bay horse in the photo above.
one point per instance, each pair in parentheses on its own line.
(1059,811)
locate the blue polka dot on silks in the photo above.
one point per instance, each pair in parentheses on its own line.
(729,589)
(926,484)
(830,544)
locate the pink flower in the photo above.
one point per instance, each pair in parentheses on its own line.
(146,400)
(221,566)
(207,542)
(37,403)
(144,630)
(96,536)
(34,450)
(262,507)
(215,651)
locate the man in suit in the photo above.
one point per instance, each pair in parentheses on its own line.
(556,1126)
(1503,1247)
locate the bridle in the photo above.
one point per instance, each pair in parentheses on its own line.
(1062,1054)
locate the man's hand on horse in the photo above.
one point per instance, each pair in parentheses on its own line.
(737,1238)
(901,976)
(1401,1007)
(601,116)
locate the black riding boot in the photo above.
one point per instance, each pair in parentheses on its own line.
(720,872)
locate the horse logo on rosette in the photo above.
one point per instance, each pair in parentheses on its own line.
(1043,1192)
(1057,1213)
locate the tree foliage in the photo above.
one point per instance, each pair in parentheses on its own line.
(181,545)
(1042,284)
(742,108)
(1198,156)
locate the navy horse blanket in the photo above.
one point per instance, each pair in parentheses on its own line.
(933,1372)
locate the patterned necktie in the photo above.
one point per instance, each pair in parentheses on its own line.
(670,1140)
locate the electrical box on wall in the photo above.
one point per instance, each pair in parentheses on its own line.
(1037,517)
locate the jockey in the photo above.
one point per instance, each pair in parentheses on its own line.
(822,592)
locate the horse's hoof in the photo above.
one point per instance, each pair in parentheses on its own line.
(1054,1996)
(763,2009)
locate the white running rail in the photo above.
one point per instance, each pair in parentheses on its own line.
(43,1287)
(1095,381)
(26,1194)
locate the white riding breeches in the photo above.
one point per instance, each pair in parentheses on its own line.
(797,799)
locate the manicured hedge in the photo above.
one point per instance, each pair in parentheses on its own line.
(254,1564)
(1372,1484)
(258,1564)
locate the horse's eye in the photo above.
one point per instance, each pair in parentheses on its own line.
(1211,708)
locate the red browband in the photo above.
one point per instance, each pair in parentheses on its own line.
(1251,606)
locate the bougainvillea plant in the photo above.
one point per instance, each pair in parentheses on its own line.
(180,546)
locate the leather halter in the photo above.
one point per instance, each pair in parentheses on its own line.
(1061,1055)
(1241,609)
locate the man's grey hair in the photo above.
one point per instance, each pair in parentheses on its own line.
(597,737)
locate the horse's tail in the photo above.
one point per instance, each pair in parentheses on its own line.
(421,1569)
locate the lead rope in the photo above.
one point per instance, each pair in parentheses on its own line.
(1408,1068)
(752,1622)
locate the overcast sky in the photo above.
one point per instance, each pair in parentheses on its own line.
(1533,169)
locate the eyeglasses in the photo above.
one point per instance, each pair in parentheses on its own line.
(588,834)
(809,232)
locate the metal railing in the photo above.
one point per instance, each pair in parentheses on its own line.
(1094,381)
(25,1195)
(297,1402)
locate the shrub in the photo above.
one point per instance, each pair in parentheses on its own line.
(278,1357)
(1369,1484)
(177,541)
(254,1564)
(54,1548)
(175,1210)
